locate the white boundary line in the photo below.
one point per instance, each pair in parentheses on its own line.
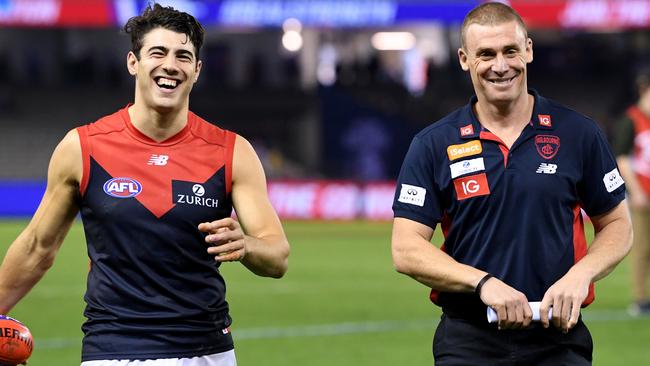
(337,329)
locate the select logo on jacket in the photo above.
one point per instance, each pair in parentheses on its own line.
(471,186)
(467,149)
(122,187)
(192,193)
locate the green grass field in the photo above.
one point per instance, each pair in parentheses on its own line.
(341,303)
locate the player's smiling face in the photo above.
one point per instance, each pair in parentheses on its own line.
(496,57)
(166,70)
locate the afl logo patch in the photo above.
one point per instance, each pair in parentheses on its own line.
(547,145)
(122,187)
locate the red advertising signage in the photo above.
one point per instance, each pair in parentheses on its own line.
(579,14)
(584,14)
(332,200)
(47,13)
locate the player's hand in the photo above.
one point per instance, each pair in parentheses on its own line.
(566,297)
(510,305)
(226,239)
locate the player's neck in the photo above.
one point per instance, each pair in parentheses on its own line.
(155,124)
(508,120)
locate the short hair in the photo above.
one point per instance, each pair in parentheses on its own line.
(490,14)
(157,16)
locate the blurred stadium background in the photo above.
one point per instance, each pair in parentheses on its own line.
(329,92)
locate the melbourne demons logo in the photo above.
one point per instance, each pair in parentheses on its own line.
(122,187)
(547,145)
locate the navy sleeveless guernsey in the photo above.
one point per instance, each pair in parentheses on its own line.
(153,290)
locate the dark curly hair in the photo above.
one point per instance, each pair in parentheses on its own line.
(157,16)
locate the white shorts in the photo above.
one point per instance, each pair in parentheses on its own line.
(218,359)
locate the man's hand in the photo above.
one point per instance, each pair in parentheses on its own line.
(510,305)
(566,297)
(226,239)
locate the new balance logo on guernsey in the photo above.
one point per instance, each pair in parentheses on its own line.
(545,168)
(158,160)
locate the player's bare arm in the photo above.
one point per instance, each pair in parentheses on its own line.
(256,239)
(612,242)
(415,256)
(33,252)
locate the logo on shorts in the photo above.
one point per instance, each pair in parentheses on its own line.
(467,149)
(547,145)
(471,186)
(545,120)
(122,187)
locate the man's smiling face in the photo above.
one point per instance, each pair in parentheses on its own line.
(165,70)
(496,57)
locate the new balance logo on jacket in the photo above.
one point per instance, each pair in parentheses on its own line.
(546,168)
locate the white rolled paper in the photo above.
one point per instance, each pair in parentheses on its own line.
(534,306)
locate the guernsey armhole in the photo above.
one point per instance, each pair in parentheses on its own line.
(85,157)
(230,151)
